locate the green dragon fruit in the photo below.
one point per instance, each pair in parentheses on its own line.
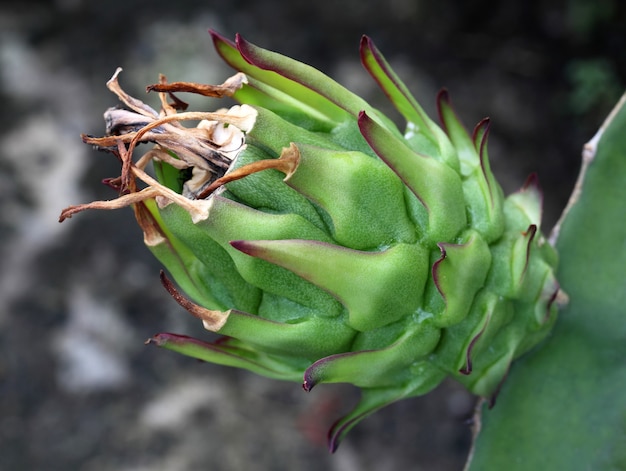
(325,245)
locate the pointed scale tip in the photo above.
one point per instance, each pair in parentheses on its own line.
(218,38)
(245,247)
(467,369)
(443,96)
(246,49)
(480,136)
(481,128)
(448,116)
(435,269)
(336,433)
(529,199)
(443,100)
(307,386)
(366,46)
(333,442)
(342,426)
(224,48)
(532,185)
(314,373)
(532,181)
(215,36)
(164,338)
(554,297)
(364,42)
(529,235)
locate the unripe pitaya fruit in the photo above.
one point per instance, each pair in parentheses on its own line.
(325,245)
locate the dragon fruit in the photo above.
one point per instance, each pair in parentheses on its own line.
(324,244)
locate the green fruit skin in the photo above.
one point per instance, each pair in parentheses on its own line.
(386,260)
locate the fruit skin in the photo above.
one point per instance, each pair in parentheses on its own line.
(325,245)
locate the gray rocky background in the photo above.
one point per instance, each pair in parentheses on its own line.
(78,389)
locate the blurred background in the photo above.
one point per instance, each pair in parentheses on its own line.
(78,388)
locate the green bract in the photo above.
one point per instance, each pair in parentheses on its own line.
(324,244)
